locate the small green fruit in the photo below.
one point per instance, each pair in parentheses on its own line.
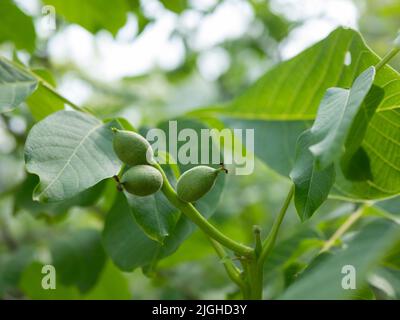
(131,148)
(142,180)
(196,182)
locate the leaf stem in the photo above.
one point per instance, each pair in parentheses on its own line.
(389,56)
(344,227)
(191,212)
(232,271)
(269,242)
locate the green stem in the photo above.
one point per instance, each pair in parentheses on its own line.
(269,242)
(232,271)
(191,212)
(254,280)
(245,276)
(389,56)
(353,218)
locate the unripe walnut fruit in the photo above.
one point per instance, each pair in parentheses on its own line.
(196,182)
(131,148)
(142,180)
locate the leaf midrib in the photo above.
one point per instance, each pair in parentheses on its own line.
(69,160)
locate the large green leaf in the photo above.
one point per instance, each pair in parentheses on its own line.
(79,258)
(70,151)
(15,85)
(312,185)
(93,15)
(292,91)
(16,26)
(363,252)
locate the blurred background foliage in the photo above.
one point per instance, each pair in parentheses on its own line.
(150,61)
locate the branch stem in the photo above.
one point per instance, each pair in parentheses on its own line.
(269,242)
(232,271)
(353,218)
(389,56)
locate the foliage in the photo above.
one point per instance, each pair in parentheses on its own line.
(326,136)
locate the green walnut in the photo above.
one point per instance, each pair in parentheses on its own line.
(142,180)
(196,182)
(131,148)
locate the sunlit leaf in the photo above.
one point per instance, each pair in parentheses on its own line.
(292,91)
(44,102)
(93,15)
(16,26)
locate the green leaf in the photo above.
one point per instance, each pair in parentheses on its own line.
(177,6)
(363,252)
(93,15)
(79,258)
(154,214)
(355,163)
(53,210)
(43,102)
(15,85)
(335,117)
(16,26)
(321,146)
(312,185)
(70,151)
(124,241)
(31,285)
(273,140)
(292,91)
